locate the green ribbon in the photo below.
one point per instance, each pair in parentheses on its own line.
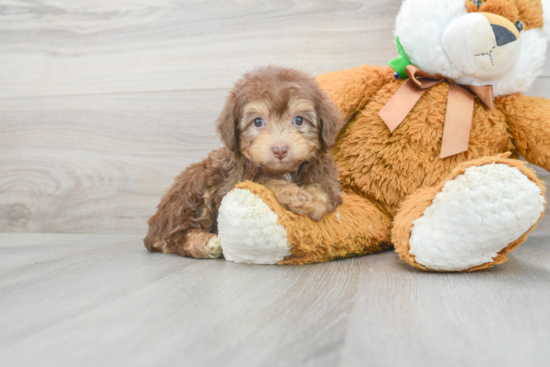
(400,62)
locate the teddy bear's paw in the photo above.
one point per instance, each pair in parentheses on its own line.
(475,217)
(249,230)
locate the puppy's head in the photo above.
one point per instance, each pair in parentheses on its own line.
(278,118)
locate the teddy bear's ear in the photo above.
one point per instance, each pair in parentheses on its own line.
(227,123)
(546,18)
(330,122)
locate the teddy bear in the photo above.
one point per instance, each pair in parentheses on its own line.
(428,155)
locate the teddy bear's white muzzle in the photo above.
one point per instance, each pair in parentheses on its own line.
(483,46)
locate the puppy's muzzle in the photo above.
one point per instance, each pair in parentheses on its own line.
(280,152)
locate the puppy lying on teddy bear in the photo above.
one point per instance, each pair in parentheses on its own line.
(277,126)
(428,154)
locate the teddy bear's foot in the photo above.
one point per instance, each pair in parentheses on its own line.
(482,211)
(250,231)
(255,228)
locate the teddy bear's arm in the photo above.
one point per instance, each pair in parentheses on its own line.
(350,89)
(529,122)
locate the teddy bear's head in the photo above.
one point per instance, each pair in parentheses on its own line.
(478,42)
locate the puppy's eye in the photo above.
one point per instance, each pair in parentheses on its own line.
(298,121)
(258,122)
(520,26)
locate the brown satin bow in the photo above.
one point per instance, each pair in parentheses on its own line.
(460,107)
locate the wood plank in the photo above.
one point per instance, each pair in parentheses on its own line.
(53,47)
(486,318)
(98,163)
(109,302)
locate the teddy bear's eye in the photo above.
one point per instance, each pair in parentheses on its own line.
(477,3)
(520,26)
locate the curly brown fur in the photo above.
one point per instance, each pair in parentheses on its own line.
(277,127)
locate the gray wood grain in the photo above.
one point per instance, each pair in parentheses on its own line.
(53,47)
(88,300)
(98,163)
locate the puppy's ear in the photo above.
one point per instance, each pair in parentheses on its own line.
(227,123)
(330,122)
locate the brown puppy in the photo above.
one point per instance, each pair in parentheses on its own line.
(277,127)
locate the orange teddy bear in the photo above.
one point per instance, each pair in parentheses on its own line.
(428,155)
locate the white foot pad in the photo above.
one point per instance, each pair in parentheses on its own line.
(474,217)
(249,231)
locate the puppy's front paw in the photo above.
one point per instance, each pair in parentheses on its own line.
(301,201)
(295,199)
(201,245)
(213,248)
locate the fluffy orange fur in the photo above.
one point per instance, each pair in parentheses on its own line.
(356,227)
(387,168)
(527,11)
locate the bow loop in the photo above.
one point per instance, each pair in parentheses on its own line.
(422,79)
(460,107)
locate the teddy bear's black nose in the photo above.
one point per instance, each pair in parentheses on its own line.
(503,35)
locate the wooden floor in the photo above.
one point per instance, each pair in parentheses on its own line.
(102,300)
(104,102)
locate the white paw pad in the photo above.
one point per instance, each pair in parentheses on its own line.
(249,230)
(474,217)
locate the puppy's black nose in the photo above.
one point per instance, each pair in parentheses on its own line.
(280,152)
